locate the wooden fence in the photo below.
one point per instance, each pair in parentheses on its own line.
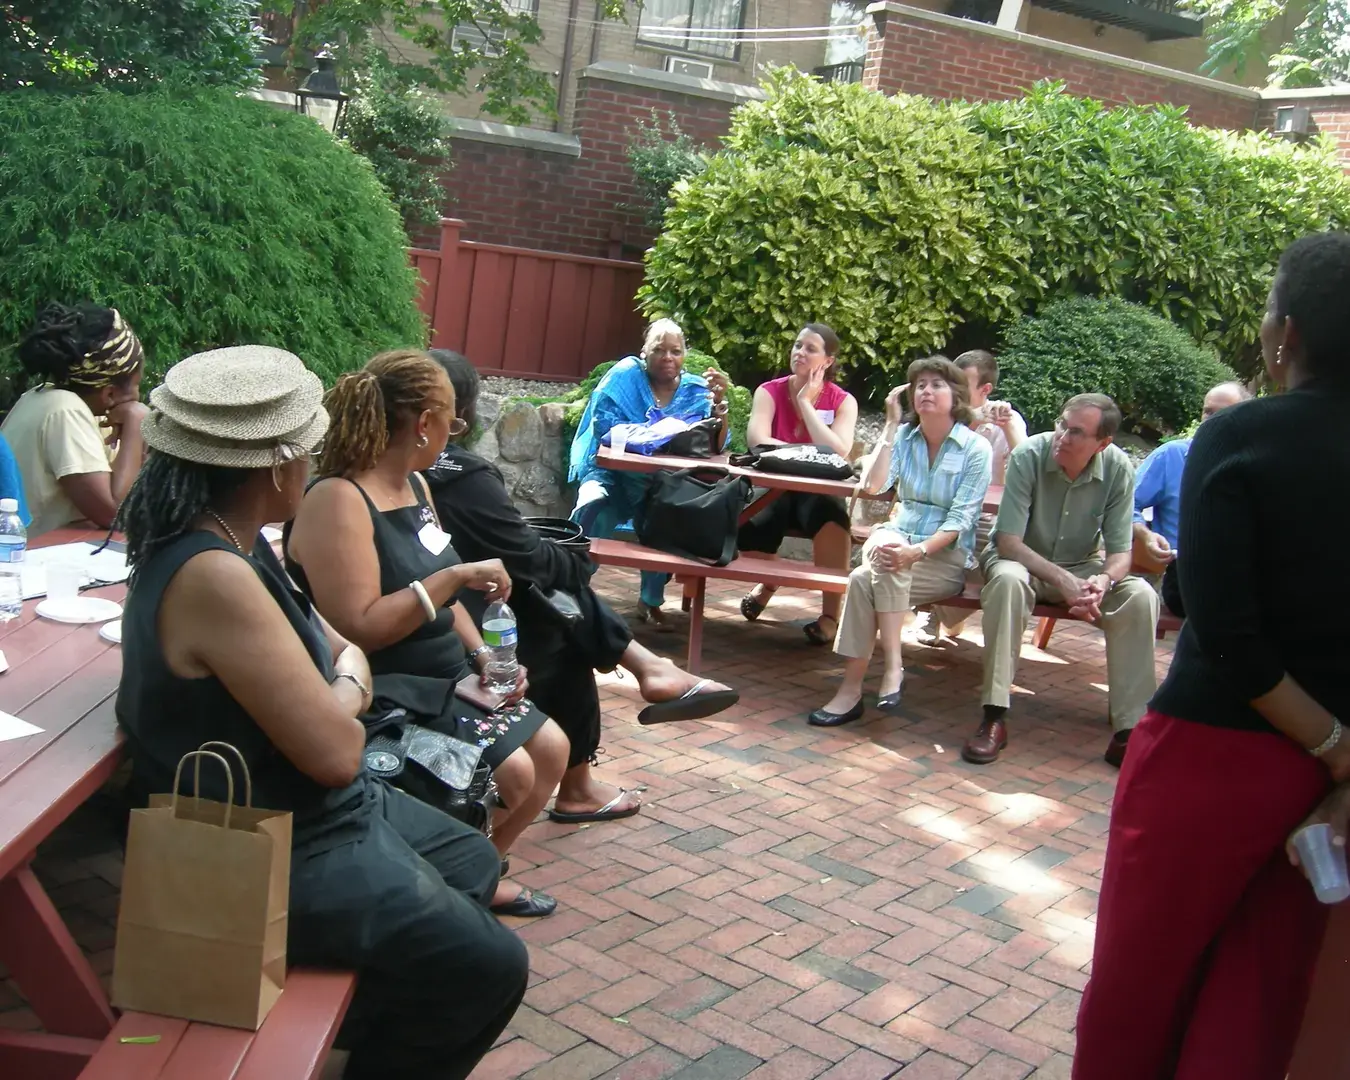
(527,314)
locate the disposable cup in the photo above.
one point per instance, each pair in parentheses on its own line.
(1323,862)
(63,581)
(618,442)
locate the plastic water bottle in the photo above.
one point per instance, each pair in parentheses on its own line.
(13,544)
(499,635)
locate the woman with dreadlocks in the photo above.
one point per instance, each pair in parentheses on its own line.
(87,362)
(217,645)
(367,548)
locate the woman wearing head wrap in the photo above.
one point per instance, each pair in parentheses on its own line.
(87,363)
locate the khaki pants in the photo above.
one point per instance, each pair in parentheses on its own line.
(871,590)
(1129,620)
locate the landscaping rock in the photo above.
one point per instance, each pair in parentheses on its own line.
(520,432)
(538,484)
(551,414)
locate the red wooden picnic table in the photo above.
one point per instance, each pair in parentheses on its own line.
(774,485)
(63,679)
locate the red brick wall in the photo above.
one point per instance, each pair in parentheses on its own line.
(916,55)
(1330,116)
(538,199)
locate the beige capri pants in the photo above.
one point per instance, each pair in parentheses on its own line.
(871,590)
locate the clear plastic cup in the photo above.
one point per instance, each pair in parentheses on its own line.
(63,581)
(618,441)
(1323,862)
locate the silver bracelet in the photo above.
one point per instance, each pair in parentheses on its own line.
(1329,743)
(365,690)
(482,650)
(425,598)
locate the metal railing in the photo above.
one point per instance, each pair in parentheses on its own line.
(849,71)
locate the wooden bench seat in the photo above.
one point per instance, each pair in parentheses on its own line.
(292,1043)
(771,570)
(1049,614)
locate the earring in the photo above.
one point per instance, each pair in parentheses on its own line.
(422,441)
(276,478)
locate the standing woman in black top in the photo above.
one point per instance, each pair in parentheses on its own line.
(217,645)
(1207,935)
(367,548)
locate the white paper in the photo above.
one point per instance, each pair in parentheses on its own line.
(107,566)
(11,727)
(433,539)
(271,534)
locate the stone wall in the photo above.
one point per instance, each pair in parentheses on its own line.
(525,442)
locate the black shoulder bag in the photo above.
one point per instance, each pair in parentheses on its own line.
(694,513)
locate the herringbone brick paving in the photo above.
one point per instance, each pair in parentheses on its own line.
(792,903)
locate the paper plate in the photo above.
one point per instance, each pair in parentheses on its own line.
(83,609)
(111,632)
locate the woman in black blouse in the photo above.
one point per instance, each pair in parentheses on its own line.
(1207,934)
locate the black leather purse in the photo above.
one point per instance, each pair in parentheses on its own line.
(566,534)
(702,440)
(440,770)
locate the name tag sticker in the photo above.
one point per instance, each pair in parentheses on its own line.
(433,539)
(826,416)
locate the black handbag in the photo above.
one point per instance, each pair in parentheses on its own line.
(702,440)
(694,513)
(566,534)
(806,459)
(437,769)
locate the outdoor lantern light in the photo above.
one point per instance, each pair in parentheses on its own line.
(1291,121)
(320,96)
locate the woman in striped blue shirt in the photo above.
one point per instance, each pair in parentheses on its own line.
(940,470)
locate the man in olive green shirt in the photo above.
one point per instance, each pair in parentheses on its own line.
(1068,495)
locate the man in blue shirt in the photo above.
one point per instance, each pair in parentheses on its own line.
(1157,483)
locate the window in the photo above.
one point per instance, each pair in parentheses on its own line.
(692,26)
(486,39)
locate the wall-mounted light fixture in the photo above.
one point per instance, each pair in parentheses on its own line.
(1292,122)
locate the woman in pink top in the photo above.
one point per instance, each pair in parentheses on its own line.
(804,407)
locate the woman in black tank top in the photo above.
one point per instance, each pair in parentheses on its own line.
(217,645)
(367,548)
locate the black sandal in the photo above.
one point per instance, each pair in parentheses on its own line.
(751,608)
(815,635)
(657,618)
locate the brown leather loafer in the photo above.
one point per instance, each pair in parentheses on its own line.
(987,743)
(1115,749)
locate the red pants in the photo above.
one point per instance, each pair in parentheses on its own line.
(1206,935)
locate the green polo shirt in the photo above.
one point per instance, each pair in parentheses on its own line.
(1068,521)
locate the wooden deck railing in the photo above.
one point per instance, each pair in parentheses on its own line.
(527,314)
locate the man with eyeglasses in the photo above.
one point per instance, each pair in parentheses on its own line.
(1064,535)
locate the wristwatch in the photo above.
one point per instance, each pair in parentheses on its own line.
(482,650)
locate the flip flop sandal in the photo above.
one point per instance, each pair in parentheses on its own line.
(815,635)
(608,812)
(528,905)
(691,705)
(751,608)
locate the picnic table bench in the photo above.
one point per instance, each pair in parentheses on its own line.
(63,679)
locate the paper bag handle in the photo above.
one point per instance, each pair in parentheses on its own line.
(196,794)
(243,768)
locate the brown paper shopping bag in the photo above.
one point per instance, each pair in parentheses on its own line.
(201,934)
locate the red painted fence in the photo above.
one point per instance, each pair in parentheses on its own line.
(528,314)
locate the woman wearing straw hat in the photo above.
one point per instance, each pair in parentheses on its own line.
(218,646)
(367,548)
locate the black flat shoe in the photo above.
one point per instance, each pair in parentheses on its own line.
(890,703)
(528,905)
(751,609)
(821,718)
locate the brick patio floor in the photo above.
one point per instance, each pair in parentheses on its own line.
(792,903)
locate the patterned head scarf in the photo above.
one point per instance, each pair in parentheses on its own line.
(117,356)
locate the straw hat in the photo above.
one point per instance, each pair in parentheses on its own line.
(247,407)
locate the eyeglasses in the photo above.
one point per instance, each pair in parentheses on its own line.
(1071,432)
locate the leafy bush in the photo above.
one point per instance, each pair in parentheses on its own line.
(76,44)
(403,133)
(1152,369)
(207,218)
(660,155)
(903,222)
(831,203)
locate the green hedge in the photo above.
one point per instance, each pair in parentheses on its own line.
(906,223)
(1152,369)
(207,219)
